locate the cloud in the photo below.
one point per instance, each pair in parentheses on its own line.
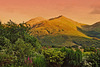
(96,9)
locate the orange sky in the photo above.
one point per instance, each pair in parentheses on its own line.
(83,11)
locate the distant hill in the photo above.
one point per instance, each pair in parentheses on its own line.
(61,31)
(95,27)
(92,30)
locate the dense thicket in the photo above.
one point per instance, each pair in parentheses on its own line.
(16,44)
(14,31)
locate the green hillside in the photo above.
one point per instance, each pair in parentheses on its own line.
(91,30)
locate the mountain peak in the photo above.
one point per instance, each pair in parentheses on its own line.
(96,24)
(35,20)
(61,16)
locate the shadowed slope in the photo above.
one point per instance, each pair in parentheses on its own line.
(92,30)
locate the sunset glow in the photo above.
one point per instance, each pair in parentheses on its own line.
(83,11)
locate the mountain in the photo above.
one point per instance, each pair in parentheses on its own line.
(61,31)
(57,25)
(94,27)
(35,21)
(92,30)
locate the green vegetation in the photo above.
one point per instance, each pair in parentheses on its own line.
(61,31)
(68,41)
(39,61)
(54,57)
(16,45)
(19,48)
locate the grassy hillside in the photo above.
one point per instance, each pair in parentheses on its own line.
(92,30)
(66,40)
(94,27)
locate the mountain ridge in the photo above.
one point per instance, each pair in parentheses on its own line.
(61,31)
(57,25)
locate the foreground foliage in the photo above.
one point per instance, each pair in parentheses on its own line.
(54,57)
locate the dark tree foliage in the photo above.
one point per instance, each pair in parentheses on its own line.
(2,41)
(14,31)
(16,44)
(94,58)
(72,58)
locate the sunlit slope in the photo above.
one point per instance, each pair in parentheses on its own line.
(58,25)
(35,21)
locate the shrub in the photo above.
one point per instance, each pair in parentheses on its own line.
(86,63)
(28,62)
(72,58)
(63,49)
(30,39)
(5,59)
(19,50)
(39,61)
(54,57)
(94,59)
(4,40)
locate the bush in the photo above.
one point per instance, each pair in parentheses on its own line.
(39,61)
(72,58)
(86,63)
(4,40)
(30,39)
(63,49)
(54,57)
(5,59)
(20,50)
(94,59)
